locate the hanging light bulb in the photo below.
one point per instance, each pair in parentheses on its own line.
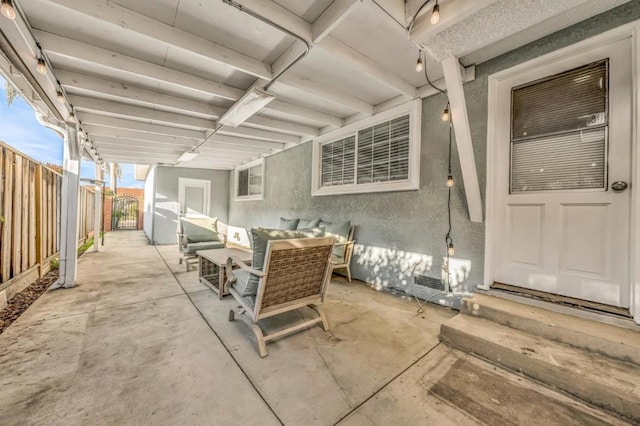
(7,10)
(450,181)
(435,14)
(72,116)
(445,114)
(419,64)
(60,97)
(42,66)
(450,250)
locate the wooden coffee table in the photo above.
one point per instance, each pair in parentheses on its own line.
(212,267)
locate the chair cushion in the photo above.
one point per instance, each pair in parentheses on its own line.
(304,223)
(199,229)
(242,280)
(261,238)
(340,231)
(192,248)
(290,224)
(337,260)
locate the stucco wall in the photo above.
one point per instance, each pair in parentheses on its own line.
(395,229)
(167,205)
(149,185)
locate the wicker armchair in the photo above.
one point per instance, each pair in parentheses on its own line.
(295,274)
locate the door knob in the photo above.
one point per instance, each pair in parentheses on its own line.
(619,186)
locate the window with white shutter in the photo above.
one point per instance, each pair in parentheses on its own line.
(249,181)
(559,131)
(338,162)
(382,154)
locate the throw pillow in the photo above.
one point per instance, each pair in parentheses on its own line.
(340,231)
(200,229)
(304,223)
(260,238)
(289,224)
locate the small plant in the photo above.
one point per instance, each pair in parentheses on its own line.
(55,263)
(85,246)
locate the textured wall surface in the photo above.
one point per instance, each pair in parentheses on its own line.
(149,184)
(167,205)
(396,229)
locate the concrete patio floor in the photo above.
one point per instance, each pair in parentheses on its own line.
(140,341)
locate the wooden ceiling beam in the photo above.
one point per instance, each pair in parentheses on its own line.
(133,112)
(331,18)
(300,27)
(132,21)
(56,45)
(139,126)
(73,81)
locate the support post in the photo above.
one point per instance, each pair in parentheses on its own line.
(97,210)
(460,119)
(69,210)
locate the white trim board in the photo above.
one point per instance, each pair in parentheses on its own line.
(631,30)
(201,183)
(248,165)
(414,109)
(462,130)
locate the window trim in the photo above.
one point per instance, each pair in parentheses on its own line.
(414,109)
(236,172)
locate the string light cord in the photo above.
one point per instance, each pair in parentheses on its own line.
(447,239)
(426,74)
(415,15)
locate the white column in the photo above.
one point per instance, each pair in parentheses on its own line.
(97,218)
(462,129)
(69,210)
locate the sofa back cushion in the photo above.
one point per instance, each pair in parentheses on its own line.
(261,238)
(290,224)
(340,231)
(200,229)
(308,223)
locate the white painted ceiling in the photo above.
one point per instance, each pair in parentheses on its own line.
(148,79)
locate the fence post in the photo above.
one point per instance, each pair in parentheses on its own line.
(97,210)
(40,230)
(7,210)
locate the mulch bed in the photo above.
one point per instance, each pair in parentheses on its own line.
(21,301)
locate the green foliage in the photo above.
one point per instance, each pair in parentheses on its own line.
(55,263)
(11,93)
(85,246)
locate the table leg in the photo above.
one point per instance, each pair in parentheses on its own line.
(221,281)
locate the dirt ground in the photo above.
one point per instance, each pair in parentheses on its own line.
(21,301)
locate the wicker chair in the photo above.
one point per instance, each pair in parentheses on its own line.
(295,274)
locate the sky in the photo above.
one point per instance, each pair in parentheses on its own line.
(20,130)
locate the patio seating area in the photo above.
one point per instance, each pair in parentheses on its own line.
(140,341)
(423,212)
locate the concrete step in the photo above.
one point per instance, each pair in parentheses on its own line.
(607,383)
(609,340)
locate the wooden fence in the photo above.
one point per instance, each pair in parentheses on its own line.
(29,219)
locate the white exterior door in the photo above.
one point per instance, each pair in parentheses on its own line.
(560,221)
(194,196)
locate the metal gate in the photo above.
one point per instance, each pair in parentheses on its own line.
(124,214)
